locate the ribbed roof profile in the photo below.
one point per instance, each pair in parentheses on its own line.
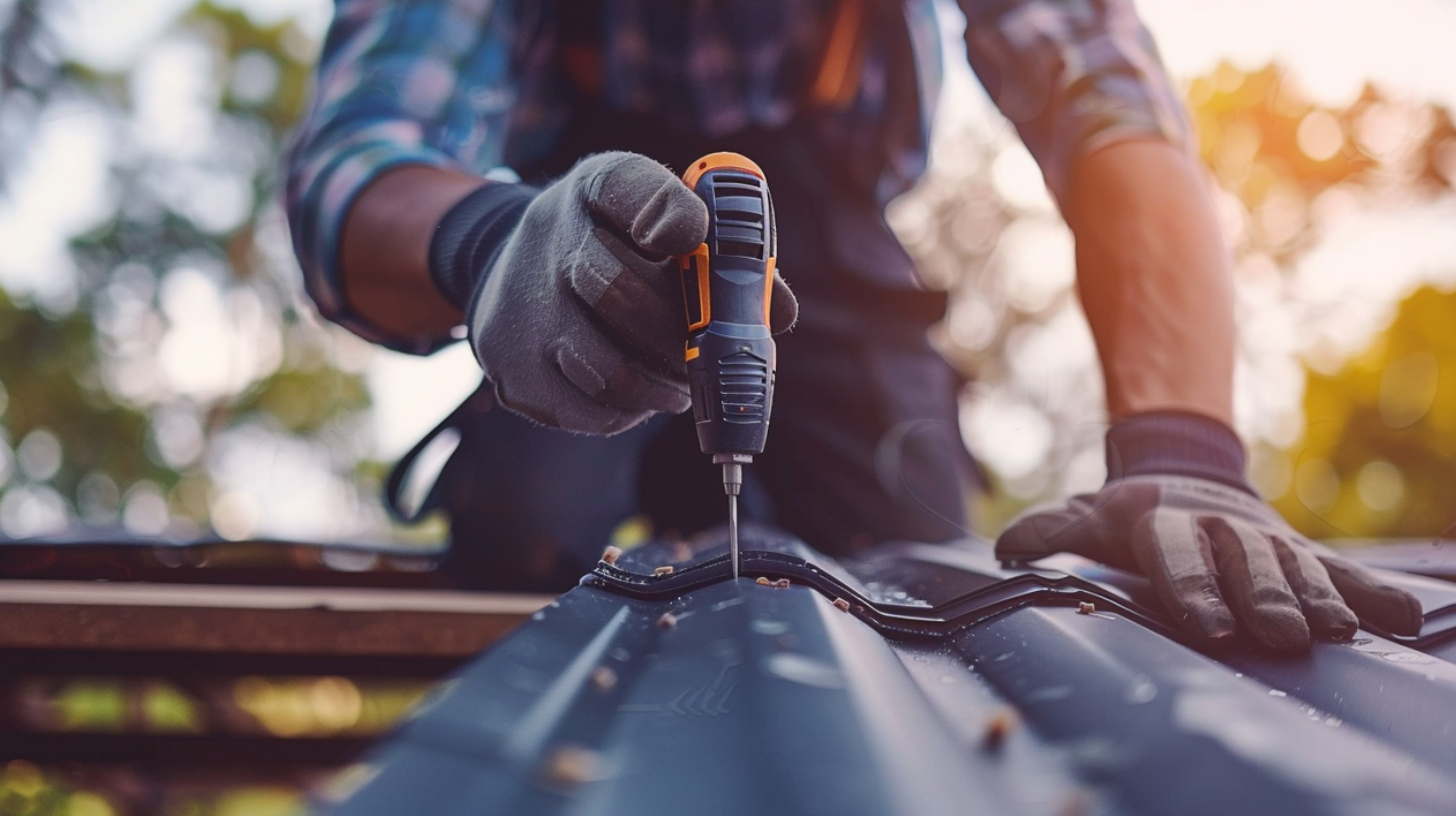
(918,680)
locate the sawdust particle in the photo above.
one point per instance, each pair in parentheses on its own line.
(998,728)
(1077,803)
(571,765)
(603,678)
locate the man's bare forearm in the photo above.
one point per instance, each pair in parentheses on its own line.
(1153,274)
(386,244)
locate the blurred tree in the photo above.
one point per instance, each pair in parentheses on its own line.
(169,356)
(168,352)
(1287,173)
(1370,461)
(1379,446)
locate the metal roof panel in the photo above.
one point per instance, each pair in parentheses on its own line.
(913,681)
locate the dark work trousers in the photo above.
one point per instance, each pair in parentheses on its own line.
(863,445)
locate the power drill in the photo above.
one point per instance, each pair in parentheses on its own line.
(727,284)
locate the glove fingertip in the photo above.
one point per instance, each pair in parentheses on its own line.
(1282,629)
(1022,541)
(784,308)
(1174,554)
(1388,607)
(1331,620)
(1407,615)
(643,199)
(1206,615)
(680,224)
(1199,610)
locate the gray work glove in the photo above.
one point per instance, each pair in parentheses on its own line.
(580,320)
(1219,558)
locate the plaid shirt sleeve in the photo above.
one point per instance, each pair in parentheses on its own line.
(385,96)
(1073,76)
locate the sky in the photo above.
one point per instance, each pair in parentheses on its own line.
(1332,46)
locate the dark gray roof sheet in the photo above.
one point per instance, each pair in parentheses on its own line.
(940,683)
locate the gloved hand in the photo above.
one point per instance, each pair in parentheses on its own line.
(575,307)
(1219,557)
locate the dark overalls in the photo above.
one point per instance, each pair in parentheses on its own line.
(863,447)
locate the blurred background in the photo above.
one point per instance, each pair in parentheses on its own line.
(160,370)
(162,374)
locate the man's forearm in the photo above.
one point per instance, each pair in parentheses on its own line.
(1153,274)
(385,249)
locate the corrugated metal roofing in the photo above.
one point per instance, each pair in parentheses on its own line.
(919,680)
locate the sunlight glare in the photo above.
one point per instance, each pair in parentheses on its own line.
(1320,136)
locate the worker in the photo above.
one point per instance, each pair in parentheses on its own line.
(498,170)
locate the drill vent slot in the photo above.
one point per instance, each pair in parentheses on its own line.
(743,381)
(738,208)
(742,249)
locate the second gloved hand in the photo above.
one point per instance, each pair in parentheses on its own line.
(1176,508)
(575,306)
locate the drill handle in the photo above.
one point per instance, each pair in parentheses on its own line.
(727,285)
(729,278)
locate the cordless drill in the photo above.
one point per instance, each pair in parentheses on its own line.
(727,283)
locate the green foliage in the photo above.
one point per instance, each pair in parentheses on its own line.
(1380,439)
(30,790)
(25,790)
(304,401)
(193,223)
(92,705)
(1377,442)
(1276,152)
(48,370)
(257,51)
(169,709)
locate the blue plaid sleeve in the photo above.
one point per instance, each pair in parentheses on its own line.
(386,95)
(1073,76)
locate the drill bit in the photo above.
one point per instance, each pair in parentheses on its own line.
(732,484)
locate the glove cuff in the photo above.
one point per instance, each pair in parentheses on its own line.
(469,236)
(1176,443)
